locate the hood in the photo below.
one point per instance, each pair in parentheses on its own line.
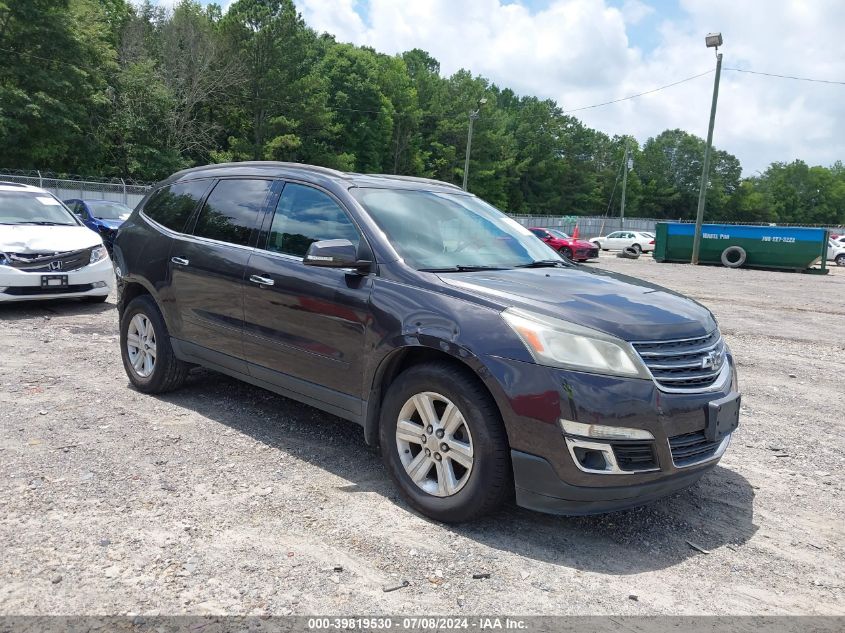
(25,238)
(623,306)
(112,224)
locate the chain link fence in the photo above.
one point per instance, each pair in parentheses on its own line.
(68,187)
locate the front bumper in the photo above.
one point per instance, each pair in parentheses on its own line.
(547,474)
(586,253)
(94,280)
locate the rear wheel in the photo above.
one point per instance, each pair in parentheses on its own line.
(637,248)
(444,444)
(148,358)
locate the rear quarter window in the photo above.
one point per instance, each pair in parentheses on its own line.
(171,206)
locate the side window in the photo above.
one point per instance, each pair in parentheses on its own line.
(538,232)
(171,206)
(306,215)
(614,235)
(230,212)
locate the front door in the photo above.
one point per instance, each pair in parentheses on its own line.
(208,269)
(304,326)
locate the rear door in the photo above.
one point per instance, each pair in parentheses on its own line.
(304,326)
(208,269)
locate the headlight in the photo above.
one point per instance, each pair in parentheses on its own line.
(558,343)
(98,253)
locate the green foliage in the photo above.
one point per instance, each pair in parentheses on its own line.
(134,90)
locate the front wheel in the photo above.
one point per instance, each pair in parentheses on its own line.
(566,252)
(444,444)
(148,358)
(840,260)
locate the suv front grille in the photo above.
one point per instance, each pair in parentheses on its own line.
(690,448)
(50,262)
(688,364)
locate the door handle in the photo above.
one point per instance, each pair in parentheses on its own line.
(261,281)
(180,260)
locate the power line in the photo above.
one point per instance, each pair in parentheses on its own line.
(754,72)
(639,94)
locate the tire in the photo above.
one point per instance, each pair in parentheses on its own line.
(97,299)
(629,253)
(566,252)
(734,257)
(637,248)
(840,259)
(475,491)
(166,372)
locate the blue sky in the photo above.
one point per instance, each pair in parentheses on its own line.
(583,52)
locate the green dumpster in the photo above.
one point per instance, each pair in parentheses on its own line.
(778,247)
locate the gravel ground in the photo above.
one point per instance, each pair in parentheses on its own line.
(224,498)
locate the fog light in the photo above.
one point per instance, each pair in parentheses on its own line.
(603,432)
(593,457)
(99,284)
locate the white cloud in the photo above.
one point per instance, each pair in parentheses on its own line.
(578,52)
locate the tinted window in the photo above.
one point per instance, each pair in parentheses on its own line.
(538,232)
(305,215)
(171,206)
(231,211)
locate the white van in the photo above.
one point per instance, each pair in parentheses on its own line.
(46,252)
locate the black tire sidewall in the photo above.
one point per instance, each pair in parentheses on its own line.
(470,501)
(154,382)
(840,260)
(637,248)
(566,252)
(726,261)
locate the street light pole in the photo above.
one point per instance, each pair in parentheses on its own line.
(627,167)
(472,117)
(713,40)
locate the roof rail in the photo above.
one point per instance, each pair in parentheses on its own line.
(268,163)
(430,181)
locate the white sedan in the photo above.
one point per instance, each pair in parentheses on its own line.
(836,252)
(46,252)
(620,240)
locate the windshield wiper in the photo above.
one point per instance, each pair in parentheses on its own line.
(460,269)
(544,263)
(46,223)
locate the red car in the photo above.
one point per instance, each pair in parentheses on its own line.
(570,248)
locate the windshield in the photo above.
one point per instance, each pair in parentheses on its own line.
(30,207)
(559,234)
(107,210)
(446,231)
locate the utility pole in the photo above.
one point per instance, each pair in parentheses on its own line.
(472,117)
(626,166)
(713,40)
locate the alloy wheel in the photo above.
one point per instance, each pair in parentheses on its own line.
(141,345)
(435,444)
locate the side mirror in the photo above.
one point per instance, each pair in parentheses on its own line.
(336,254)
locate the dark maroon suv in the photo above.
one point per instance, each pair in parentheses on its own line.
(482,363)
